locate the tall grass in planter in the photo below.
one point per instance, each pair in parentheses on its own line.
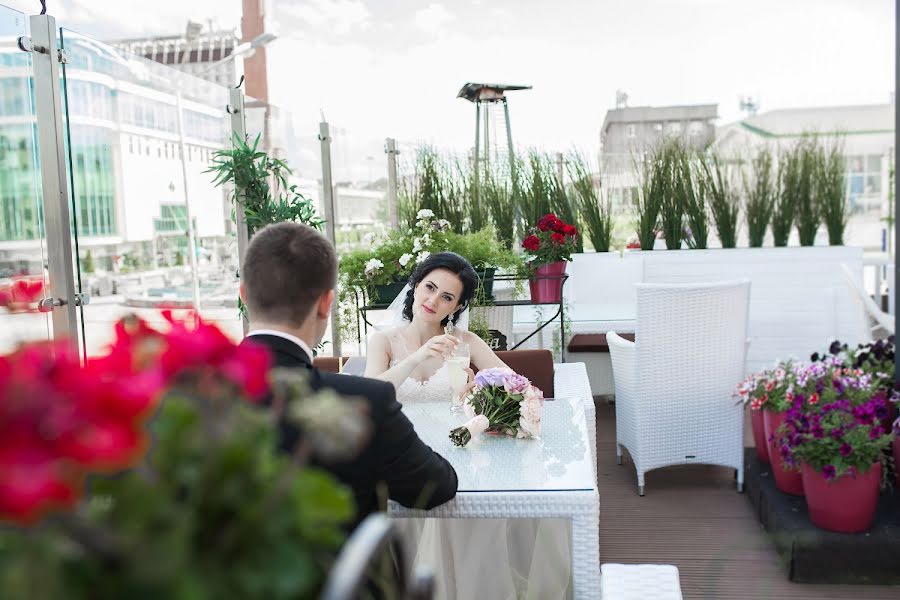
(830,186)
(691,189)
(807,216)
(724,201)
(596,212)
(760,195)
(647,202)
(671,209)
(496,195)
(537,193)
(784,207)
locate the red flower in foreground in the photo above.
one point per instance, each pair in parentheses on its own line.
(531,243)
(558,238)
(61,421)
(569,230)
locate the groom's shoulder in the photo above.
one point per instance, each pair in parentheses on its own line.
(373,389)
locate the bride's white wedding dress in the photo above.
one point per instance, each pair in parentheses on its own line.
(501,559)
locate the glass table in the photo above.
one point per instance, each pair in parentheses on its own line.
(553,477)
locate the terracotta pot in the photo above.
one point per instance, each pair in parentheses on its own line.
(759,435)
(547,284)
(788,481)
(846,504)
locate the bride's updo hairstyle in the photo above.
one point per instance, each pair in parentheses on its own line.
(449,261)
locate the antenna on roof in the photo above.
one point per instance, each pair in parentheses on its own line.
(621,99)
(749,105)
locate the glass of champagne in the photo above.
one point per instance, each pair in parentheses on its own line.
(457,364)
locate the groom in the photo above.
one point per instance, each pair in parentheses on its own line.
(287,282)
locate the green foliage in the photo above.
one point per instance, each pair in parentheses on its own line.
(537,193)
(214,512)
(761,193)
(179,258)
(724,201)
(596,213)
(496,195)
(830,191)
(260,186)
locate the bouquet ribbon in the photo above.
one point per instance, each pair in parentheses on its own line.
(477,425)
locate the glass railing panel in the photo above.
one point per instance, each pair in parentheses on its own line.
(23,277)
(141,138)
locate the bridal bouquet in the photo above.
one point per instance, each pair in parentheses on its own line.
(502,402)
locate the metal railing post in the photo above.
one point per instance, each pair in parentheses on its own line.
(328,204)
(51,131)
(239,131)
(390,148)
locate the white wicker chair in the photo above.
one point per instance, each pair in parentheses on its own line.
(674,384)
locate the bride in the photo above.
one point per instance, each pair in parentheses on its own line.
(481,558)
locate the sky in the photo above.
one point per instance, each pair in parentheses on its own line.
(392,68)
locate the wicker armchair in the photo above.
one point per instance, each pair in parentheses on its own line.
(674,384)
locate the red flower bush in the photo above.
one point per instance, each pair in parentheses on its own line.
(550,241)
(60,420)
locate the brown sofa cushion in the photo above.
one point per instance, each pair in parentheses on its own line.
(328,364)
(593,342)
(536,365)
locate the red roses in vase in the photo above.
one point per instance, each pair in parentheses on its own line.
(547,248)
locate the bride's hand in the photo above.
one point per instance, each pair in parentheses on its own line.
(440,346)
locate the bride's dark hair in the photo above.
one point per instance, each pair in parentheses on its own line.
(452,262)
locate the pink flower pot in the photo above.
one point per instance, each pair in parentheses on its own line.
(788,481)
(547,284)
(759,435)
(846,504)
(897,459)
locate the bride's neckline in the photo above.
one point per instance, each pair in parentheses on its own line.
(399,334)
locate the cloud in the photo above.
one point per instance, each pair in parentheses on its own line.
(433,18)
(337,16)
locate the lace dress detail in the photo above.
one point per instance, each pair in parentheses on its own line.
(435,388)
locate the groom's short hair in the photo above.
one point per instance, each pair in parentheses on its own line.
(287,268)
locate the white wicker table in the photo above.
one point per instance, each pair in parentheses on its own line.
(502,477)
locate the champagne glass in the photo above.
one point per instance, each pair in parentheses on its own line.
(457,364)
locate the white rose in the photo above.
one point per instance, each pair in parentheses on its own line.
(425,213)
(373,266)
(417,244)
(426,240)
(404,260)
(422,256)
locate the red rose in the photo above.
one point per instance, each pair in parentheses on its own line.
(570,230)
(558,238)
(531,243)
(548,222)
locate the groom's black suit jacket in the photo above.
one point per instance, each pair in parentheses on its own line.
(415,475)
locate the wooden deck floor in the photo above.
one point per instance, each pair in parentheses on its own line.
(693,518)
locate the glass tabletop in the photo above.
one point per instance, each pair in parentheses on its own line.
(559,461)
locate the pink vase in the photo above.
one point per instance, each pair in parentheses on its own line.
(759,435)
(546,286)
(788,481)
(897,459)
(846,504)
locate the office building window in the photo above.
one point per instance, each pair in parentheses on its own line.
(631,131)
(864,183)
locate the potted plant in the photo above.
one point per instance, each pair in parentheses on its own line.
(834,430)
(548,247)
(210,509)
(774,399)
(755,392)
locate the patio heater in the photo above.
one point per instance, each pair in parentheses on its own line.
(488,94)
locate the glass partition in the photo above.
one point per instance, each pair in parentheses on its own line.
(141,136)
(23,276)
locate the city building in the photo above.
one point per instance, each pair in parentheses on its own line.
(127,144)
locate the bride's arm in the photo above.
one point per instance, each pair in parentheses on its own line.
(378,359)
(482,355)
